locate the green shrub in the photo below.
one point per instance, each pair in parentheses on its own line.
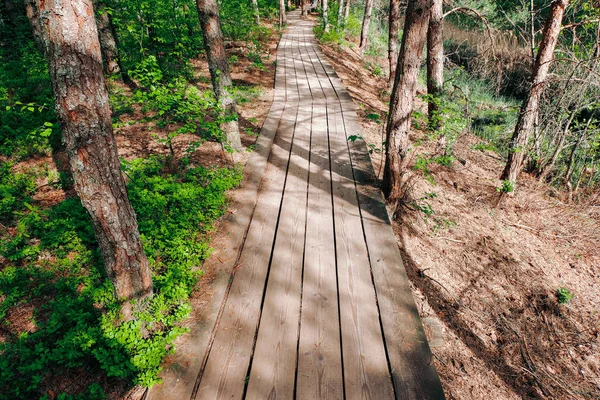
(564,295)
(54,265)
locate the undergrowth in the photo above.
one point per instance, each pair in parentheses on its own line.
(50,261)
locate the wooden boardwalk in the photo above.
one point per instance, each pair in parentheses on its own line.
(319,306)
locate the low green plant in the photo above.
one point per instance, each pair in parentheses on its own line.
(564,295)
(506,187)
(52,264)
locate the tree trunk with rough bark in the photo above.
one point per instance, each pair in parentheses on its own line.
(364,33)
(108,40)
(530,107)
(402,99)
(208,11)
(394,23)
(435,63)
(341,13)
(67,33)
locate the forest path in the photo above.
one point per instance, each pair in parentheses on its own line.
(319,306)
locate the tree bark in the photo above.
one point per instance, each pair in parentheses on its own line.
(67,33)
(402,99)
(256,12)
(346,10)
(108,40)
(364,33)
(325,17)
(341,13)
(394,23)
(435,63)
(530,107)
(208,11)
(282,16)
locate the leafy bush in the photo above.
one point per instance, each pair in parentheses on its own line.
(564,295)
(52,263)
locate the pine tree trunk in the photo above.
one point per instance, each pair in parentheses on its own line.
(256,12)
(394,23)
(530,107)
(364,33)
(435,62)
(67,33)
(108,42)
(208,11)
(341,13)
(402,99)
(325,17)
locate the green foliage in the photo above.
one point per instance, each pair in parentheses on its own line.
(564,295)
(53,264)
(506,187)
(15,192)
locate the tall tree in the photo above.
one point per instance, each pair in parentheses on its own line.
(208,11)
(435,62)
(256,12)
(67,33)
(108,39)
(364,32)
(282,16)
(341,13)
(402,99)
(394,23)
(530,107)
(325,16)
(346,10)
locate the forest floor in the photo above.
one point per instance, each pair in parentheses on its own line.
(488,270)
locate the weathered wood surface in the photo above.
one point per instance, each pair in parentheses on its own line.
(319,306)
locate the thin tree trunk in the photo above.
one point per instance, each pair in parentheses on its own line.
(108,41)
(282,16)
(559,146)
(341,13)
(256,12)
(530,107)
(435,63)
(67,33)
(303,7)
(402,99)
(346,10)
(364,33)
(208,12)
(394,22)
(325,17)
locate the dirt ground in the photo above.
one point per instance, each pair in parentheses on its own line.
(487,271)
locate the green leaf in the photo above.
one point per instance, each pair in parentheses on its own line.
(48,124)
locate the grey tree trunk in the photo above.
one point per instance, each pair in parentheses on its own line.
(435,63)
(256,12)
(282,16)
(394,23)
(346,10)
(208,11)
(341,13)
(402,99)
(530,107)
(325,16)
(364,33)
(67,33)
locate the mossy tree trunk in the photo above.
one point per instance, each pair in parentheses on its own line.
(208,11)
(531,104)
(67,33)
(402,99)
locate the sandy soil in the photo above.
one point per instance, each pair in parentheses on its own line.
(488,270)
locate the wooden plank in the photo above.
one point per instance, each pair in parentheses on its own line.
(410,357)
(274,362)
(366,369)
(225,372)
(319,373)
(180,375)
